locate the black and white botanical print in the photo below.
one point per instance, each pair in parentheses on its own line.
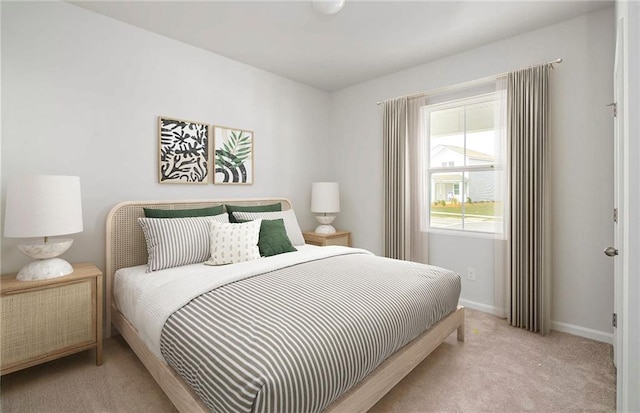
(233,156)
(184,151)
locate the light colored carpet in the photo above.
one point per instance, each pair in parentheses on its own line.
(497,369)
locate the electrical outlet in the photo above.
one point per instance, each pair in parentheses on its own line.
(471,274)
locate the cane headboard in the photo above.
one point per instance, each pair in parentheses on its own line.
(125,243)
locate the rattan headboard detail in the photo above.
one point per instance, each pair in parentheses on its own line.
(125,244)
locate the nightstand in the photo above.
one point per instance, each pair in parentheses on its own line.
(47,319)
(339,238)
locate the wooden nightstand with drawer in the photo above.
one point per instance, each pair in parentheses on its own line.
(339,238)
(47,319)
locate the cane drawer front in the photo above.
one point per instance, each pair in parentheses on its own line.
(41,322)
(343,241)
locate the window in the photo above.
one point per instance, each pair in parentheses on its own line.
(465,180)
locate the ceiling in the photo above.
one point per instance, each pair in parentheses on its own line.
(365,40)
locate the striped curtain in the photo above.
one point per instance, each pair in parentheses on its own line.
(528,251)
(395,171)
(404,186)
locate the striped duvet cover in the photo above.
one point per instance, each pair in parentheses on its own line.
(297,338)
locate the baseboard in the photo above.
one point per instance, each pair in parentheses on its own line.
(482,307)
(582,332)
(596,335)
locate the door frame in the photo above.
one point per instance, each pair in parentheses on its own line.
(619,205)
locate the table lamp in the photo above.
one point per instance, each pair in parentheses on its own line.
(325,201)
(42,206)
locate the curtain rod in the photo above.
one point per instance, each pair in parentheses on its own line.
(467,84)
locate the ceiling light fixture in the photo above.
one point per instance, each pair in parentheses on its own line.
(328,6)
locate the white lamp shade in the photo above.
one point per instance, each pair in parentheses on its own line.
(325,197)
(43,206)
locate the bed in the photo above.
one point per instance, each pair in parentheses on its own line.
(348,381)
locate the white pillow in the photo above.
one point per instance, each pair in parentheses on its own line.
(289,217)
(232,243)
(172,242)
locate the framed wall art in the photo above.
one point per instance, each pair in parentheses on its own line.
(233,156)
(184,151)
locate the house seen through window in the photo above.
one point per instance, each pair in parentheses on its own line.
(465,181)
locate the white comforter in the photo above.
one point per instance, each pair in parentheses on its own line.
(148,299)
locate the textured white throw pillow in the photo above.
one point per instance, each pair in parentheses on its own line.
(172,242)
(290,222)
(232,243)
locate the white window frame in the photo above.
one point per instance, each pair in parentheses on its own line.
(429,171)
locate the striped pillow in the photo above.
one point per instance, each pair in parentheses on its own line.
(232,243)
(290,222)
(172,242)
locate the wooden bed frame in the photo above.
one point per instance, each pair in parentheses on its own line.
(126,247)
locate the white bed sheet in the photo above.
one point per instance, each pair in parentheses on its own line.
(148,299)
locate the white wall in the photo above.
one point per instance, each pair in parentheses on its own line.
(581,158)
(81,96)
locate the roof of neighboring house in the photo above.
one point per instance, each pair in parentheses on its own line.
(471,154)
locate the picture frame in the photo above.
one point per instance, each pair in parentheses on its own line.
(183,151)
(233,156)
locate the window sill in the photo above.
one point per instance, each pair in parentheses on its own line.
(468,234)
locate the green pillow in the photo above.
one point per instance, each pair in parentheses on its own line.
(183,213)
(273,239)
(251,208)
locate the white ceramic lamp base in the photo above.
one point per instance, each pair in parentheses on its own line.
(46,265)
(325,226)
(44,269)
(325,229)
